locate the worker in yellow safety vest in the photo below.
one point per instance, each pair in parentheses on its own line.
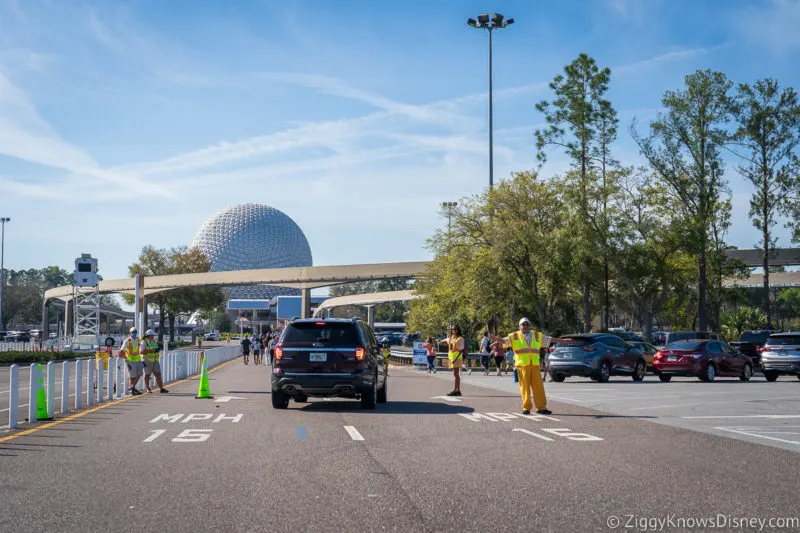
(386,352)
(526,345)
(456,351)
(149,352)
(130,352)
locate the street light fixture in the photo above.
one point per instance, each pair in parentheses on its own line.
(3,221)
(449,206)
(485,23)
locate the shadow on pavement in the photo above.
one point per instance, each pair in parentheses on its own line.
(249,392)
(389,408)
(603,416)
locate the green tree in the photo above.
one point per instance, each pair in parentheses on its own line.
(181,260)
(740,319)
(766,139)
(24,293)
(683,148)
(582,122)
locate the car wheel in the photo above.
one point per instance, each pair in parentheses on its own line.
(770,376)
(639,371)
(300,398)
(383,392)
(604,373)
(709,374)
(280,400)
(747,373)
(665,378)
(370,398)
(558,378)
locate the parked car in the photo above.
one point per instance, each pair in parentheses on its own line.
(781,355)
(751,342)
(701,358)
(647,349)
(596,355)
(675,336)
(332,357)
(211,336)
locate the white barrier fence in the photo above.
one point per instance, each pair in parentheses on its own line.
(175,366)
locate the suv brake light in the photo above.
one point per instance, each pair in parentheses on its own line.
(279,352)
(360,353)
(551,349)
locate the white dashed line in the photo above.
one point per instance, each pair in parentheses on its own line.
(353,432)
(757,435)
(745,416)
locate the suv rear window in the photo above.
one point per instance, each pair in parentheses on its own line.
(331,334)
(685,345)
(574,342)
(787,340)
(753,337)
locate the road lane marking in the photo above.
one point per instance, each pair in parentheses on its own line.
(100,407)
(532,434)
(744,416)
(155,434)
(224,399)
(446,398)
(353,432)
(744,400)
(301,433)
(757,435)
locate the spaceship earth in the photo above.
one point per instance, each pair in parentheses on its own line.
(252,236)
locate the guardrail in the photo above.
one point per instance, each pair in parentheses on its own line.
(405,357)
(111,372)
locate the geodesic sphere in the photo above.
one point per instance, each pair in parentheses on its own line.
(253,236)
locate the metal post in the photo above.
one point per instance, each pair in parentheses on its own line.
(33,383)
(138,318)
(78,383)
(2,265)
(491,139)
(100,376)
(110,378)
(65,387)
(13,397)
(51,389)
(90,383)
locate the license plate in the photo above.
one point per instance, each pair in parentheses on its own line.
(672,358)
(318,357)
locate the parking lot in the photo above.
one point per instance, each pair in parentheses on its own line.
(755,411)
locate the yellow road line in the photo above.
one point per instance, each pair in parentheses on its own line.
(98,408)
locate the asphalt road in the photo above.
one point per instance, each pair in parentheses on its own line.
(755,411)
(418,463)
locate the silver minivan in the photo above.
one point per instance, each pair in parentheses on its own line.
(781,355)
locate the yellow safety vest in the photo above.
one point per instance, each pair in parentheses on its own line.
(526,354)
(132,350)
(151,345)
(386,352)
(454,352)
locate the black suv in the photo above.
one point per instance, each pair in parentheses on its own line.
(326,358)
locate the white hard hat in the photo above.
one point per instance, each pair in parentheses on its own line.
(523,320)
(132,330)
(149,332)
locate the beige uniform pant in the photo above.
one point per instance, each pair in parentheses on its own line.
(530,377)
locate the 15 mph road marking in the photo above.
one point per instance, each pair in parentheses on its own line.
(353,432)
(532,434)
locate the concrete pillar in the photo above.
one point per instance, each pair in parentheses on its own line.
(66,317)
(305,303)
(371,315)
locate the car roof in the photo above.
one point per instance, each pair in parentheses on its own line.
(785,334)
(333,320)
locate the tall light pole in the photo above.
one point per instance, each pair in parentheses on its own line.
(449,206)
(3,221)
(485,23)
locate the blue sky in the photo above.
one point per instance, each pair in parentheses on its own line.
(129,123)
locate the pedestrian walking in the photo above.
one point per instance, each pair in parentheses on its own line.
(256,343)
(149,352)
(387,353)
(526,345)
(129,350)
(485,352)
(455,355)
(430,349)
(499,355)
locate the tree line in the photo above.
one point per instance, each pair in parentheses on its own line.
(636,246)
